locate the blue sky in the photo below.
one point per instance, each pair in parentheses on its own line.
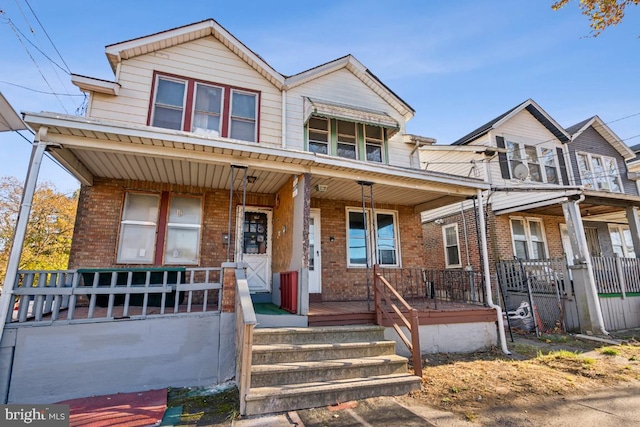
(458,64)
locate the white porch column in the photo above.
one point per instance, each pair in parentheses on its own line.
(37,153)
(586,294)
(634,228)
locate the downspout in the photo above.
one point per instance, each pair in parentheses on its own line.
(31,180)
(487,276)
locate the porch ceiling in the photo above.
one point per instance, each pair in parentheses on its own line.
(90,148)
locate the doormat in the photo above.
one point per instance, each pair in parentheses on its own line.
(123,409)
(268,308)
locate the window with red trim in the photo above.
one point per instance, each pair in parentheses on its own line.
(203,107)
(160,229)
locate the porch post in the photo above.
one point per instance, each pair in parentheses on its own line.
(37,152)
(634,228)
(587,301)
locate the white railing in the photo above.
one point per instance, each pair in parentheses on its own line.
(616,275)
(92,295)
(245,323)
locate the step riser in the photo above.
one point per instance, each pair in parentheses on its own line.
(317,337)
(282,356)
(275,403)
(294,376)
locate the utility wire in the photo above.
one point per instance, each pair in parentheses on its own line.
(47,34)
(39,91)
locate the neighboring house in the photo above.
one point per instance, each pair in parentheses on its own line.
(200,157)
(549,186)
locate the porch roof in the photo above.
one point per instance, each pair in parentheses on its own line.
(91,148)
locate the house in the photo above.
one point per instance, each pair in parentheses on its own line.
(556,194)
(212,183)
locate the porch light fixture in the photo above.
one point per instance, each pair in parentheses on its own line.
(252,179)
(321,188)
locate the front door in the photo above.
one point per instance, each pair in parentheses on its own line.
(253,246)
(315,264)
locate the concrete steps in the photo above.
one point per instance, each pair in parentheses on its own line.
(296,368)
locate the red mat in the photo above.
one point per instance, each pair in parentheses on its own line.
(140,409)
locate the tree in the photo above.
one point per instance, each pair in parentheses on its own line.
(601,13)
(50,229)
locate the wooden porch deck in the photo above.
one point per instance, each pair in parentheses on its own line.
(335,313)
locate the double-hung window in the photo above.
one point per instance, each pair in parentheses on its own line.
(528,238)
(621,241)
(541,161)
(348,139)
(146,237)
(451,246)
(599,172)
(371,241)
(204,107)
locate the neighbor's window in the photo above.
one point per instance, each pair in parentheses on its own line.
(621,241)
(528,238)
(451,246)
(195,106)
(541,161)
(141,243)
(364,246)
(599,172)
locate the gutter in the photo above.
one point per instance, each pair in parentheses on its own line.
(487,277)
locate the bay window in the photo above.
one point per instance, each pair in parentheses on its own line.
(202,107)
(160,229)
(365,246)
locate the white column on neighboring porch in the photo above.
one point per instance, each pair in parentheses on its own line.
(634,228)
(20,231)
(586,293)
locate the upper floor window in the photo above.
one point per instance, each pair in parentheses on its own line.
(528,238)
(147,237)
(540,162)
(195,106)
(599,172)
(346,139)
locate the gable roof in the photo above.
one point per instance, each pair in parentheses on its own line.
(533,108)
(209,27)
(606,132)
(350,63)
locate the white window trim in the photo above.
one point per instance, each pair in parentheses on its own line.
(596,178)
(527,233)
(621,229)
(255,113)
(184,96)
(372,254)
(179,225)
(523,159)
(444,243)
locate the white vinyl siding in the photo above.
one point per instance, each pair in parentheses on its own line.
(343,87)
(205,60)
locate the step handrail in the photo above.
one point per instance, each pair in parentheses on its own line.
(382,288)
(245,324)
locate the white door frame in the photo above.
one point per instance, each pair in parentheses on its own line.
(315,275)
(258,265)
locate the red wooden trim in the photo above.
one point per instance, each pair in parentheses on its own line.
(226,112)
(152,98)
(189,105)
(258,108)
(162,227)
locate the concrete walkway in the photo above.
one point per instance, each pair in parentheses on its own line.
(613,407)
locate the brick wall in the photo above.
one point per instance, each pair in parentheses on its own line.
(99,211)
(340,283)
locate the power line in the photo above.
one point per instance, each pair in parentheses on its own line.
(47,34)
(38,91)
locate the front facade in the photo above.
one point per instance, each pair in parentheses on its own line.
(550,186)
